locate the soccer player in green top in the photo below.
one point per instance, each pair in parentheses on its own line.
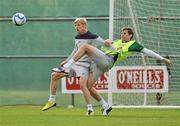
(105,58)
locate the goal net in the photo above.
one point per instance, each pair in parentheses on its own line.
(156,24)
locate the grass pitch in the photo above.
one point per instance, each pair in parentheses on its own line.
(59,116)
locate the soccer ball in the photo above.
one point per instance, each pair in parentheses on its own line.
(18,19)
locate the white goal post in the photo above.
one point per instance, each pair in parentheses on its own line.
(156,24)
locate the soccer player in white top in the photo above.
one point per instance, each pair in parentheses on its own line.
(81,69)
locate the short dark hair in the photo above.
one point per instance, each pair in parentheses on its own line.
(130,31)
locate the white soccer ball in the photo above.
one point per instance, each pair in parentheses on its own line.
(18,19)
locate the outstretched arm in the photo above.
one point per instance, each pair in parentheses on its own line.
(155,55)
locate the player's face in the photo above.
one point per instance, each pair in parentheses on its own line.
(80,28)
(125,36)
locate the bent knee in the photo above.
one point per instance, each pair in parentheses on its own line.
(85,45)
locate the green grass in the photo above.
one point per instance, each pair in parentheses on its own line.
(59,116)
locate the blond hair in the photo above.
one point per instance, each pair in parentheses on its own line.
(80,20)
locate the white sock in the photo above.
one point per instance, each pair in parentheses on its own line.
(103,103)
(52,98)
(69,63)
(89,107)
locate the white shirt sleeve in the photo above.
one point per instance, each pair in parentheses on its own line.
(152,54)
(99,41)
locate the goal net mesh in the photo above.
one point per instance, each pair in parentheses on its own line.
(157,27)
